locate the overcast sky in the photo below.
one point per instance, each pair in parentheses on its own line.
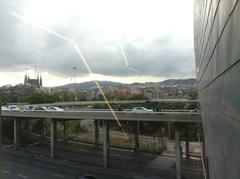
(122,40)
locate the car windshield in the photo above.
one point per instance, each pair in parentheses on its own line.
(113,89)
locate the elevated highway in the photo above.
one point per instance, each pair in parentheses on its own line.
(192,117)
(83,103)
(105,116)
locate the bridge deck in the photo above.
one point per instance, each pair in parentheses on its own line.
(107,115)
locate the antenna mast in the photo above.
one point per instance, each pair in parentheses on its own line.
(74,74)
(35,69)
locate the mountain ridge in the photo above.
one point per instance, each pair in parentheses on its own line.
(168,82)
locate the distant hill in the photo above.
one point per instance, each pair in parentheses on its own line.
(170,82)
(179,82)
(89,84)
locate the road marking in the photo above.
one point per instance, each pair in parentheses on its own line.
(5,171)
(38,170)
(52,167)
(22,176)
(69,171)
(23,166)
(58,175)
(36,163)
(22,160)
(9,163)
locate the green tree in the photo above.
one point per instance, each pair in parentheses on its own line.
(137,97)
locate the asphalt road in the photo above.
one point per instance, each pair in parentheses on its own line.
(21,167)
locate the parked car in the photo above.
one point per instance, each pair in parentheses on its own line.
(119,108)
(4,108)
(141,109)
(39,108)
(196,110)
(13,108)
(56,109)
(29,107)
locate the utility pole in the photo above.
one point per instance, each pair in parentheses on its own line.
(178,149)
(26,70)
(74,74)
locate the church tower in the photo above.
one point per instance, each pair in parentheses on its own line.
(40,80)
(25,79)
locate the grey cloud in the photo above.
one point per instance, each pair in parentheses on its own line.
(23,45)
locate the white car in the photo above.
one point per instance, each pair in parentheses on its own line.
(13,108)
(55,109)
(141,109)
(4,108)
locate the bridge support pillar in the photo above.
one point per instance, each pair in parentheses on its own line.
(178,149)
(174,128)
(106,144)
(96,123)
(53,137)
(169,130)
(17,129)
(136,134)
(26,122)
(65,131)
(29,128)
(187,142)
(44,130)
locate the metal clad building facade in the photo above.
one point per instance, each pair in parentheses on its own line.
(217,51)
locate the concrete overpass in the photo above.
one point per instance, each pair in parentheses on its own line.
(83,103)
(105,116)
(192,117)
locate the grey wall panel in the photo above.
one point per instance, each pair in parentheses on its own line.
(222,138)
(218,74)
(226,52)
(222,14)
(203,37)
(225,8)
(223,47)
(223,94)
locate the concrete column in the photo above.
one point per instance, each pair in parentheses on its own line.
(29,127)
(26,125)
(169,130)
(96,123)
(17,128)
(136,134)
(53,137)
(106,144)
(177,149)
(65,131)
(203,144)
(187,142)
(44,130)
(187,149)
(1,138)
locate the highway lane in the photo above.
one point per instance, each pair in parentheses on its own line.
(20,167)
(136,165)
(79,103)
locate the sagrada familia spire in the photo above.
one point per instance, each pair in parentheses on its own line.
(33,82)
